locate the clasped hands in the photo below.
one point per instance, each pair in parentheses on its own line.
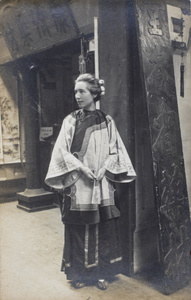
(88,173)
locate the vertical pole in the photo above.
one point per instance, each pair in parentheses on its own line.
(96,57)
(96,47)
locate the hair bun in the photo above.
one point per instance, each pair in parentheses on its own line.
(102,83)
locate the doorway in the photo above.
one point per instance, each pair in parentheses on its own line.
(57,72)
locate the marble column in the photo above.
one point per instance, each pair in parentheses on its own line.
(163,132)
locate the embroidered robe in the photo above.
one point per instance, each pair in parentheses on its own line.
(88,139)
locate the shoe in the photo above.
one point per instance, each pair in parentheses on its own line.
(79,284)
(102,284)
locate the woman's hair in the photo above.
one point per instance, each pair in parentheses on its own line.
(96,86)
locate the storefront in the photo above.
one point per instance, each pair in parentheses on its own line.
(43,48)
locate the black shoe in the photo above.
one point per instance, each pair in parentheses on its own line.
(102,284)
(78,284)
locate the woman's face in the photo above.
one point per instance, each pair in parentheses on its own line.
(83,96)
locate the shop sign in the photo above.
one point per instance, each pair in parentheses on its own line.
(29,27)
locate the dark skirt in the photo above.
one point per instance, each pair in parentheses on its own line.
(92,251)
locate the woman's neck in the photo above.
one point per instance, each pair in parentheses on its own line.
(90,108)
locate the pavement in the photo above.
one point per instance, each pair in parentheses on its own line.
(31,246)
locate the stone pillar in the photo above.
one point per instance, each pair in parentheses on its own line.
(34,197)
(169,182)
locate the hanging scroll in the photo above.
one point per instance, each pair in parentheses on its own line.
(182,80)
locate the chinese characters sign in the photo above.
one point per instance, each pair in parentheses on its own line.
(28,27)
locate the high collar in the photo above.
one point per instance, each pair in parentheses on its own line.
(89,111)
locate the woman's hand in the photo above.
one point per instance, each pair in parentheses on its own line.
(101,173)
(88,173)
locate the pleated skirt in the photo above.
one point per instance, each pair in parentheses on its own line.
(92,251)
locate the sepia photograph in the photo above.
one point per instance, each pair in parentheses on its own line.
(95,139)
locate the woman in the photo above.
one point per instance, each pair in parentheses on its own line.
(87,157)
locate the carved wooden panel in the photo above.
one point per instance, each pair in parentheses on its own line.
(165,138)
(9,120)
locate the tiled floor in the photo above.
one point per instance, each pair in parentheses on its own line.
(30,256)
